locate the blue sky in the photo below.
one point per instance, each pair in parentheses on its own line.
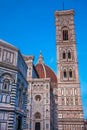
(30,26)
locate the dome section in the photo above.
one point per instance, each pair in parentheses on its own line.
(44,71)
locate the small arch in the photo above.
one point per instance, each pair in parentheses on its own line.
(37,115)
(8,99)
(6,74)
(6,83)
(69,55)
(64,55)
(4,98)
(70,73)
(63,101)
(37,97)
(65,73)
(65,33)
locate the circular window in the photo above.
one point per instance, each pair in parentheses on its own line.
(37,97)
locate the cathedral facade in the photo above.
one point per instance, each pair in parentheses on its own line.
(33,97)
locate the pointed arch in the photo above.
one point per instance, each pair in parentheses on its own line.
(64,55)
(65,33)
(64,73)
(69,55)
(70,73)
(37,115)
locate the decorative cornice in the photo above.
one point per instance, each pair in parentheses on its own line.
(64,12)
(12,67)
(6,44)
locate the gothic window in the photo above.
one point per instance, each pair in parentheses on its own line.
(6,84)
(64,55)
(69,55)
(37,97)
(70,73)
(38,115)
(65,74)
(65,35)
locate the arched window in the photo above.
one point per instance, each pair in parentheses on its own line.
(70,73)
(6,84)
(8,99)
(38,115)
(37,97)
(69,55)
(4,98)
(65,34)
(64,55)
(65,74)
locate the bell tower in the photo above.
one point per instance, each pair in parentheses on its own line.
(70,113)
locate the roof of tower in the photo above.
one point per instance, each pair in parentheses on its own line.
(64,12)
(44,71)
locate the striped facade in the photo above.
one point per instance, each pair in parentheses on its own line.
(33,97)
(13,88)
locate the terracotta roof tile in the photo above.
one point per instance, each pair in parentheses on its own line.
(45,72)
